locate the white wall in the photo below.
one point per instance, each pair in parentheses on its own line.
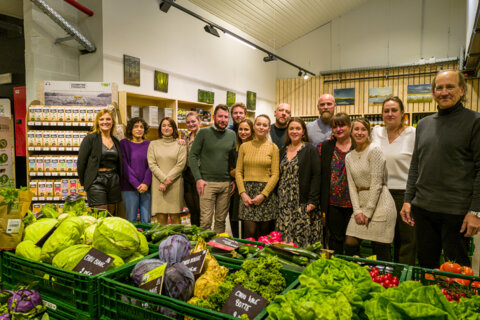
(12,8)
(176,43)
(471,10)
(380,33)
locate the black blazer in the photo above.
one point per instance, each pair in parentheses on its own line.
(89,157)
(308,173)
(328,146)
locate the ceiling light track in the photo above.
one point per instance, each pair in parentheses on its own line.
(213,28)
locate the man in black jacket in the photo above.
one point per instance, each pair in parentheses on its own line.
(442,199)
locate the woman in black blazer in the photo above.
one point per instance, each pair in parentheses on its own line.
(99,164)
(335,198)
(299,217)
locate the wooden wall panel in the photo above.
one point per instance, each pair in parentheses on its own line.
(302,94)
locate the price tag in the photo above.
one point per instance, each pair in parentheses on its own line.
(224,243)
(33,174)
(93,262)
(60,124)
(55,174)
(243,301)
(49,198)
(152,281)
(38,123)
(53,148)
(31,149)
(38,148)
(154,286)
(31,123)
(68,124)
(195,261)
(46,123)
(76,148)
(40,174)
(13,225)
(46,149)
(42,240)
(56,198)
(68,148)
(34,198)
(48,174)
(75,124)
(90,124)
(61,149)
(41,198)
(69,174)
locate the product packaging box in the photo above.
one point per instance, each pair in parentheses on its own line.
(69,164)
(75,114)
(61,114)
(38,139)
(53,139)
(53,114)
(90,114)
(39,164)
(72,186)
(46,139)
(33,187)
(83,114)
(76,139)
(80,188)
(68,114)
(61,139)
(46,113)
(65,188)
(37,207)
(31,139)
(49,189)
(32,165)
(62,164)
(57,188)
(150,115)
(55,164)
(68,139)
(41,188)
(47,164)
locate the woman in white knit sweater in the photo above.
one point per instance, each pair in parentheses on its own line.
(374,213)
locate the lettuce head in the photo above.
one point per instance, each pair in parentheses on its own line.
(68,258)
(29,250)
(66,235)
(37,230)
(114,235)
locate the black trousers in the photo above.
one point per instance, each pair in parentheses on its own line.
(404,244)
(436,231)
(337,222)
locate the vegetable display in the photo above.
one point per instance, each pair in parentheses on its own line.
(22,304)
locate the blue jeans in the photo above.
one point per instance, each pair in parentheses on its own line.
(134,200)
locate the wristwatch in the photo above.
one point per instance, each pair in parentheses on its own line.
(476,213)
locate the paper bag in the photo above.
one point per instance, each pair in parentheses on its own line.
(11,215)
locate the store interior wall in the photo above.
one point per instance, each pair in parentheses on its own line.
(471,13)
(177,44)
(381,33)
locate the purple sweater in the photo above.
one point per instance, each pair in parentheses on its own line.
(135,165)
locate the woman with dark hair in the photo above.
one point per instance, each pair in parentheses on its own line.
(137,177)
(256,175)
(190,186)
(244,134)
(374,213)
(167,159)
(299,219)
(335,199)
(99,164)
(397,141)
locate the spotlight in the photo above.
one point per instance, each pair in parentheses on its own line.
(211,29)
(164,6)
(299,73)
(269,58)
(305,76)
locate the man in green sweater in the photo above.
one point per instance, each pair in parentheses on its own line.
(442,199)
(208,160)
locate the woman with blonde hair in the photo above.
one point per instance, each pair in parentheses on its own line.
(374,213)
(167,159)
(99,164)
(257,174)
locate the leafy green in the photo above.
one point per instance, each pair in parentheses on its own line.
(67,234)
(78,207)
(468,309)
(29,250)
(37,230)
(114,235)
(48,211)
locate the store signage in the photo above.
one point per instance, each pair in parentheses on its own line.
(224,243)
(195,261)
(152,281)
(243,301)
(93,262)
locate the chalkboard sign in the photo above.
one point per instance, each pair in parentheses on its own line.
(224,243)
(93,262)
(154,286)
(243,301)
(195,261)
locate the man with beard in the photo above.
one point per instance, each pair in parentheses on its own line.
(208,161)
(319,130)
(238,112)
(279,128)
(442,200)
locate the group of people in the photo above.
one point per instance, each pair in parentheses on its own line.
(336,178)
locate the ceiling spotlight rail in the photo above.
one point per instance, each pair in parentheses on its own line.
(212,28)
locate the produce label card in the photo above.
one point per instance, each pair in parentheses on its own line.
(195,261)
(224,243)
(154,274)
(42,240)
(243,301)
(93,262)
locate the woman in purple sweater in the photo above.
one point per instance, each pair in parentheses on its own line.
(137,177)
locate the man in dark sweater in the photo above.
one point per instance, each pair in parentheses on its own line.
(442,199)
(208,161)
(238,112)
(279,128)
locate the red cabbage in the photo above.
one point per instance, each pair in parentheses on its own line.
(174,248)
(143,267)
(179,282)
(5,316)
(24,300)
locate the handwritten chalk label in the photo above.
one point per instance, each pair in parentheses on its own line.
(243,301)
(154,286)
(224,243)
(93,262)
(195,261)
(42,240)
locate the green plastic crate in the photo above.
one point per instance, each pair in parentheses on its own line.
(397,269)
(431,277)
(117,292)
(62,290)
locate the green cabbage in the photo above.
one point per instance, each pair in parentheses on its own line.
(68,258)
(143,244)
(133,257)
(88,220)
(88,235)
(117,262)
(67,234)
(116,236)
(37,230)
(28,249)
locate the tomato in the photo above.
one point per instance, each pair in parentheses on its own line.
(467,270)
(372,274)
(448,280)
(449,297)
(387,282)
(388,276)
(384,284)
(451,267)
(429,276)
(378,279)
(464,282)
(395,280)
(476,284)
(374,269)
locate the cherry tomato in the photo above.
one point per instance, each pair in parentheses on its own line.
(384,285)
(444,291)
(464,282)
(388,276)
(377,279)
(395,280)
(449,297)
(476,284)
(387,282)
(448,280)
(467,270)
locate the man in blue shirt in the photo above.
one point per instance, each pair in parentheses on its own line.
(319,130)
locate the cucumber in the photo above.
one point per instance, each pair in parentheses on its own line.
(190,230)
(314,247)
(243,249)
(298,260)
(300,251)
(207,234)
(286,263)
